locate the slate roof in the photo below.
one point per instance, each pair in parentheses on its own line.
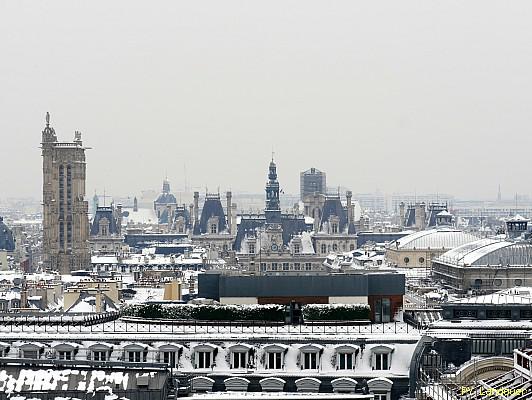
(211,208)
(104,212)
(7,241)
(333,207)
(292,225)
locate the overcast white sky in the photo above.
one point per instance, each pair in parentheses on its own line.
(398,95)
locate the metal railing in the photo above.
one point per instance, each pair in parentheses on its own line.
(199,327)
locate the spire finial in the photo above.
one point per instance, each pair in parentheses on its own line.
(47,119)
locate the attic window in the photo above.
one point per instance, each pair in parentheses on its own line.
(381,357)
(214,228)
(334,228)
(274,360)
(239,359)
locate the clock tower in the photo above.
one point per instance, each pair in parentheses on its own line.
(273,209)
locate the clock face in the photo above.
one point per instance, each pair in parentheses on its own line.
(274,247)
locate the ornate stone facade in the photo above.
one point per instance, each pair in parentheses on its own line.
(65,211)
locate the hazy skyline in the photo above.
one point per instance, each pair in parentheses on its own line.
(400,96)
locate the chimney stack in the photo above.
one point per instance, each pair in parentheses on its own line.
(196,208)
(119,218)
(229,213)
(349,196)
(402,215)
(191,214)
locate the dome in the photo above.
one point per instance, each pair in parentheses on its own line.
(435,239)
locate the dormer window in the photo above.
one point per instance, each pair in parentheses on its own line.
(65,351)
(104,227)
(381,357)
(296,248)
(380,388)
(334,228)
(252,248)
(136,353)
(169,354)
(100,352)
(346,356)
(212,224)
(275,356)
(239,356)
(310,356)
(31,350)
(204,356)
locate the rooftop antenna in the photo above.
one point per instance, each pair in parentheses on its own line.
(47,119)
(185,175)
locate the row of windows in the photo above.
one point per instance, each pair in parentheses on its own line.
(328,248)
(286,266)
(489,346)
(204,358)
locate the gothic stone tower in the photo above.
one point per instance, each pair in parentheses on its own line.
(65,211)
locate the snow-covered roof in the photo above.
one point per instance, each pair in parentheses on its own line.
(142,216)
(496,298)
(440,238)
(489,252)
(518,218)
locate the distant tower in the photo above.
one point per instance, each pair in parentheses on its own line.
(65,211)
(312,181)
(273,208)
(135,204)
(499,196)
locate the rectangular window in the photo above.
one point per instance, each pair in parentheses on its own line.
(380,396)
(509,345)
(483,346)
(382,361)
(275,360)
(65,355)
(30,354)
(251,248)
(263,266)
(345,361)
(297,266)
(134,356)
(239,360)
(383,310)
(308,267)
(296,248)
(274,266)
(203,359)
(310,360)
(99,355)
(286,267)
(169,357)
